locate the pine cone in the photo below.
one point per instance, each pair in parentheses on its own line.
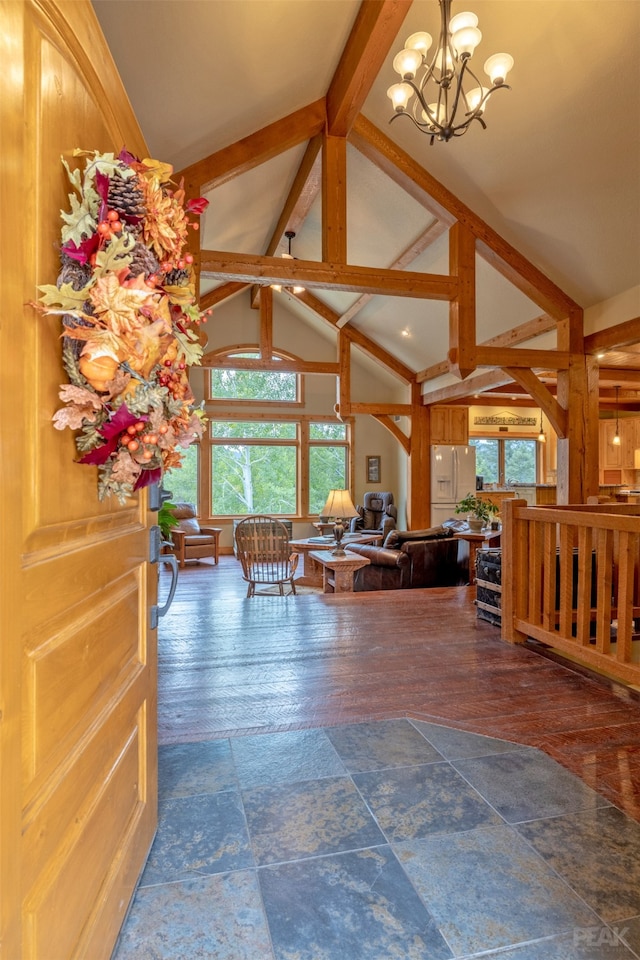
(143,261)
(177,278)
(127,198)
(73,272)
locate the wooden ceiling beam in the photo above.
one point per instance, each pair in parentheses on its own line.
(520,334)
(620,335)
(334,200)
(462,310)
(329,276)
(466,388)
(221,293)
(395,431)
(304,190)
(521,357)
(543,397)
(383,409)
(413,178)
(372,35)
(433,232)
(251,151)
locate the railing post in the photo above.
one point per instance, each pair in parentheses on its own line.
(514,576)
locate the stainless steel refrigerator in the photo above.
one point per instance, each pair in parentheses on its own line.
(453,476)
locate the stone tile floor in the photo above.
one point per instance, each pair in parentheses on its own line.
(386,840)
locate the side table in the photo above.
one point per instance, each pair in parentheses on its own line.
(337,572)
(489,538)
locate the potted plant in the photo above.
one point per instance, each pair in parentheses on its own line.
(479,511)
(166,522)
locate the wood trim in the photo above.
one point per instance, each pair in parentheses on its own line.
(258,147)
(372,35)
(328,276)
(286,365)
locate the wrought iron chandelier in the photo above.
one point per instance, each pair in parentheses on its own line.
(444,106)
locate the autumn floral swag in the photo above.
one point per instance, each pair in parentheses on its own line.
(125,293)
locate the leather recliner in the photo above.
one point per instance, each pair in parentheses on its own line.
(377,514)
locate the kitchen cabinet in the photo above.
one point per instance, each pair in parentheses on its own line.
(449,425)
(619,456)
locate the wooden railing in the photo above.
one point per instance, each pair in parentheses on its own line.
(571,579)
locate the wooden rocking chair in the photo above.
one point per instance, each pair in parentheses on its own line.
(263,550)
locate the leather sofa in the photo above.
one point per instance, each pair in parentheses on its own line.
(413,558)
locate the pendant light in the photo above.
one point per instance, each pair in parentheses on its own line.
(616,437)
(542,437)
(289,234)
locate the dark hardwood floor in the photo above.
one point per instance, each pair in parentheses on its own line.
(228,666)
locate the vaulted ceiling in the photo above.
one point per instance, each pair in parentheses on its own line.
(556,173)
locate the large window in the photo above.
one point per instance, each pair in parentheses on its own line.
(268,459)
(276,466)
(182,481)
(253,467)
(503,461)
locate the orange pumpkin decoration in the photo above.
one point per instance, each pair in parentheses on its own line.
(98,370)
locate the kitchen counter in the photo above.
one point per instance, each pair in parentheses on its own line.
(544,494)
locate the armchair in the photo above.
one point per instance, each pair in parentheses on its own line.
(192,541)
(378,513)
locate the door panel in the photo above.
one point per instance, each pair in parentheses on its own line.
(78,667)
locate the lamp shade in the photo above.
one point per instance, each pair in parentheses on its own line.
(339,505)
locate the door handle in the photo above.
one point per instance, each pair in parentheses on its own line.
(156,556)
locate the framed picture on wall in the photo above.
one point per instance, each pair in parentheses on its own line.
(373,469)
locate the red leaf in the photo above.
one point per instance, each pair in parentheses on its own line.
(82,253)
(148,477)
(197,206)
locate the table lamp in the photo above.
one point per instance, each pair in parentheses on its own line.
(340,507)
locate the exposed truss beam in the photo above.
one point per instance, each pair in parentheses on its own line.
(371,38)
(433,232)
(520,334)
(403,170)
(465,388)
(284,365)
(329,276)
(251,151)
(613,338)
(385,359)
(543,397)
(220,294)
(394,430)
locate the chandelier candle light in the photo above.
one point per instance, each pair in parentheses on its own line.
(340,507)
(444,105)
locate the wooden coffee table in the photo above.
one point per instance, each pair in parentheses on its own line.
(312,571)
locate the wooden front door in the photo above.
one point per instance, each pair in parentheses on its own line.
(78,662)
